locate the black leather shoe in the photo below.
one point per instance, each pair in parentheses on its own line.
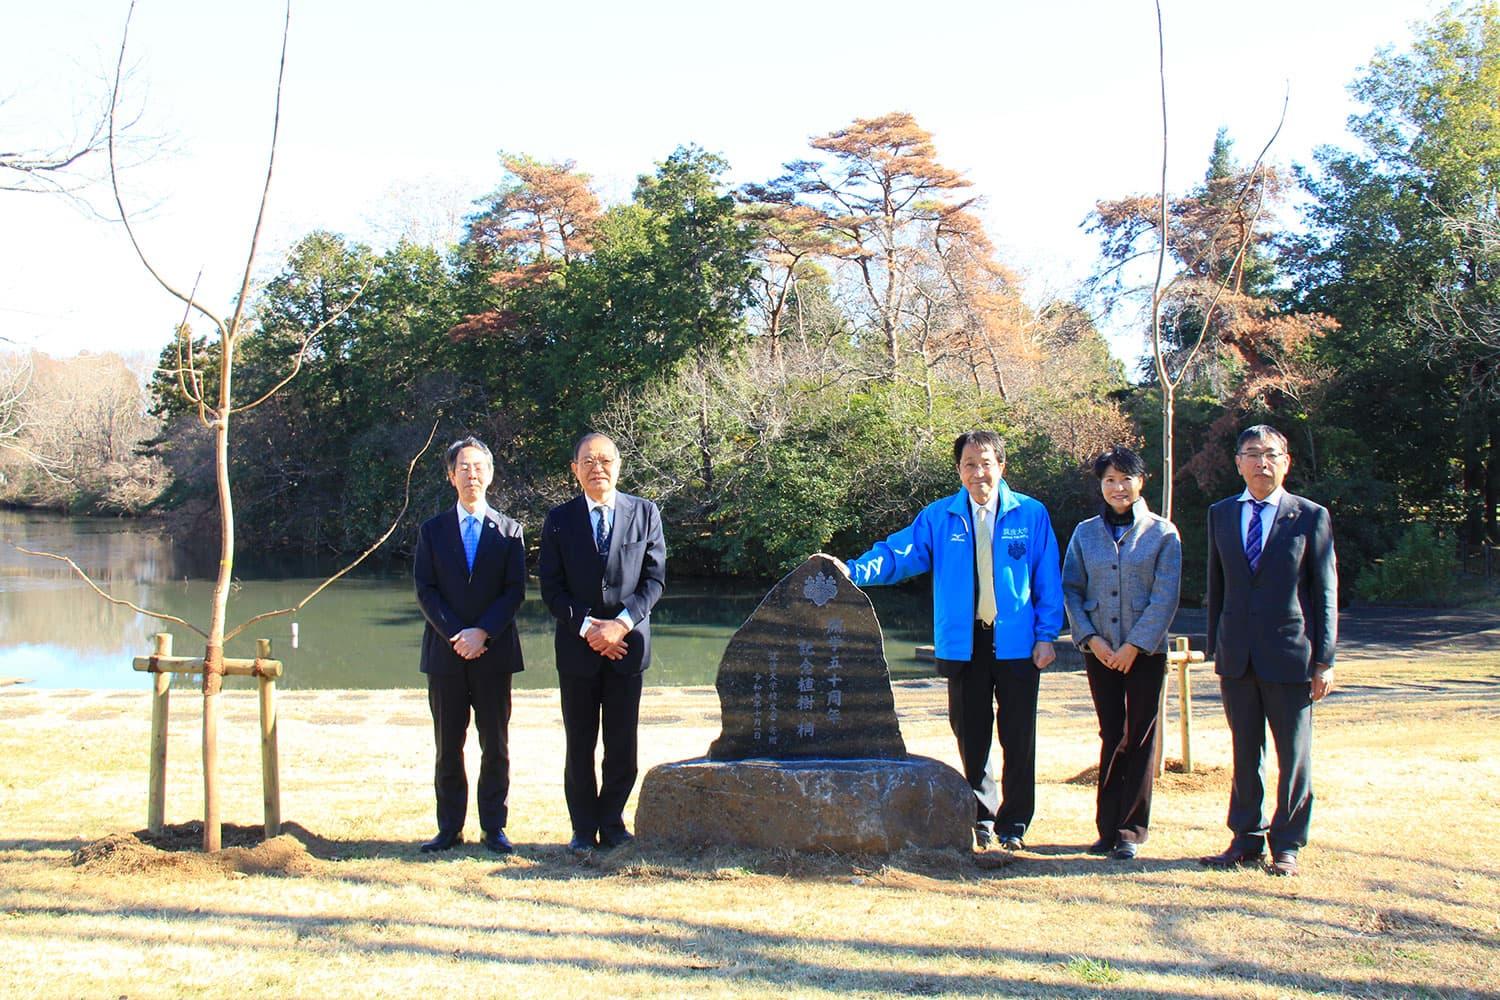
(581,844)
(1125,850)
(1234,857)
(442,842)
(1283,863)
(984,836)
(615,838)
(498,842)
(1101,847)
(1011,842)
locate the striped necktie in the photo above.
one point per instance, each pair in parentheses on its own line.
(1253,534)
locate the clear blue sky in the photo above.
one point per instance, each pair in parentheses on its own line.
(394,109)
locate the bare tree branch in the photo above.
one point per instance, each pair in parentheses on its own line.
(307,342)
(265,193)
(405,502)
(159,615)
(114,183)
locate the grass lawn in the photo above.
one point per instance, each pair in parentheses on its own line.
(1399,896)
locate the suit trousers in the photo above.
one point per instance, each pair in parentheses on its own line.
(451,696)
(1250,704)
(613,700)
(975,693)
(1128,706)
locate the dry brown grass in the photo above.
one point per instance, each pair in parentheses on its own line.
(1398,895)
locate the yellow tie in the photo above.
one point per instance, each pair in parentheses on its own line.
(984,566)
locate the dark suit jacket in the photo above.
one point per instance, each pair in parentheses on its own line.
(1284,616)
(452,599)
(576,583)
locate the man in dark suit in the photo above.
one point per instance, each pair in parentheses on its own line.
(470,572)
(602,568)
(1272,627)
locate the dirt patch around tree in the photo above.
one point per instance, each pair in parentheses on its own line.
(178,852)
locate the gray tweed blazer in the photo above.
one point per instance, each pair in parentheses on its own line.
(1126,592)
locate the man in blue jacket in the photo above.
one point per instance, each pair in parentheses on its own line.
(997,605)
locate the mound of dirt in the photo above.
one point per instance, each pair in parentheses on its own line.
(124,854)
(177,852)
(1174,779)
(1202,779)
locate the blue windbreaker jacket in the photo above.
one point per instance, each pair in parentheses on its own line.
(1028,580)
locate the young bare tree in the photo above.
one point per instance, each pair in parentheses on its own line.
(1208,236)
(211,394)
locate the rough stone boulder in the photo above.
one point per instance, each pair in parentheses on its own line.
(861,806)
(811,756)
(806,675)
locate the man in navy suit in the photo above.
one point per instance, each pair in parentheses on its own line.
(602,568)
(1272,627)
(470,572)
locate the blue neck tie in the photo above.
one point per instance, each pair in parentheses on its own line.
(1252,535)
(601,531)
(471,539)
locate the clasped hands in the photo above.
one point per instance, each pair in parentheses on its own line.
(469,643)
(607,638)
(1121,659)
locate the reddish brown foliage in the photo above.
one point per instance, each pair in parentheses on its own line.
(544,217)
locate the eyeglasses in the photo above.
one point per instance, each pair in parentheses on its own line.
(1269,456)
(592,462)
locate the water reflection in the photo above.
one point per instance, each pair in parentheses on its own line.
(363,632)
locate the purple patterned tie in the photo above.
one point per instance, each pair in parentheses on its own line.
(1252,535)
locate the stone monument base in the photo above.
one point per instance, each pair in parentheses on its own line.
(867,806)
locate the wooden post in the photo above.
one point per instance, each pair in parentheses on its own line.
(270,770)
(156,795)
(1161,721)
(1184,701)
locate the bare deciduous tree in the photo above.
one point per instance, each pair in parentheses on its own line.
(214,402)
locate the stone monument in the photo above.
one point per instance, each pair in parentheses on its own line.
(810,756)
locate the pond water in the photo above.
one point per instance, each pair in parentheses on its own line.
(363,632)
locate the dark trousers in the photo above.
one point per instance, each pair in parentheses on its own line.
(975,692)
(1128,706)
(451,696)
(1250,705)
(613,700)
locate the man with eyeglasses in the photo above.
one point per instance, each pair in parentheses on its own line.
(602,568)
(1272,630)
(470,574)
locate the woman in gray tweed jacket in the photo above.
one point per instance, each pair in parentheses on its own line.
(1120,581)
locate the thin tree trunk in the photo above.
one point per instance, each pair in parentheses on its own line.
(213,654)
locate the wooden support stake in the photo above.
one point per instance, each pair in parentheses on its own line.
(156,795)
(270,769)
(1184,701)
(1161,721)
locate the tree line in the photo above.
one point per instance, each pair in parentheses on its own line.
(783,363)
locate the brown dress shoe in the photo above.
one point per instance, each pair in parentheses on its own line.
(1234,857)
(1283,863)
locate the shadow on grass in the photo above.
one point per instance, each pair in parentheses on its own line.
(697,953)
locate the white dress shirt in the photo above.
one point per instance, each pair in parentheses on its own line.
(1267,514)
(609,512)
(481,510)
